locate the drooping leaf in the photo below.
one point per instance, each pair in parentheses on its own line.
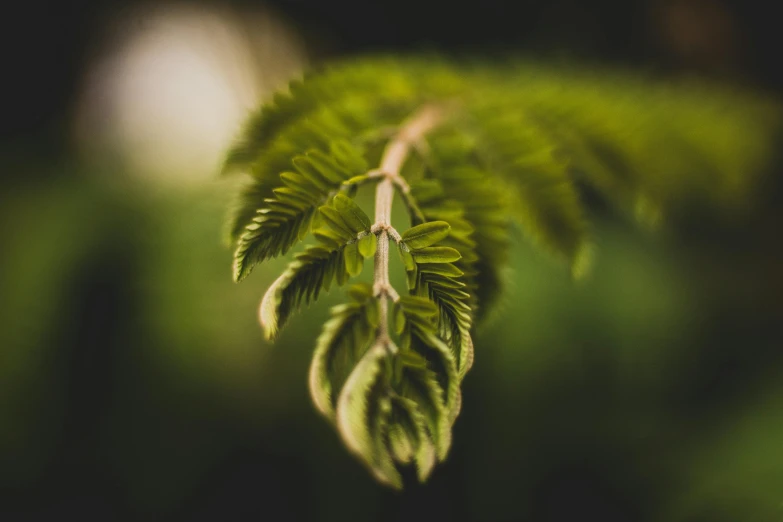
(425,234)
(301,283)
(334,219)
(439,254)
(417,306)
(353,259)
(363,412)
(353,216)
(441,361)
(409,431)
(368,244)
(412,278)
(421,386)
(283,218)
(440,269)
(407,258)
(343,341)
(336,258)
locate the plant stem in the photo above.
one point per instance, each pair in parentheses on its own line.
(396,152)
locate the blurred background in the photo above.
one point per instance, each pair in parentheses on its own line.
(134,380)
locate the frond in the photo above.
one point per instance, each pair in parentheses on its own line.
(471,151)
(434,276)
(286,216)
(363,413)
(543,196)
(343,341)
(341,85)
(459,181)
(337,257)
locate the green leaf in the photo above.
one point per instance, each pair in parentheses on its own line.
(272,232)
(440,269)
(348,155)
(441,284)
(465,359)
(521,144)
(301,283)
(484,205)
(327,167)
(406,257)
(421,386)
(344,339)
(410,439)
(329,237)
(363,413)
(353,260)
(340,274)
(548,205)
(353,216)
(335,259)
(313,174)
(412,277)
(373,313)
(401,443)
(334,219)
(398,316)
(411,358)
(441,361)
(436,255)
(420,306)
(426,234)
(250,198)
(275,213)
(368,245)
(360,292)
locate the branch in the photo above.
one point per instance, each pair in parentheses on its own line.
(410,135)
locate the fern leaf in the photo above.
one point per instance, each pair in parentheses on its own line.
(331,86)
(420,335)
(464,178)
(301,282)
(336,257)
(437,279)
(286,217)
(363,413)
(421,386)
(425,234)
(345,338)
(470,151)
(408,429)
(545,201)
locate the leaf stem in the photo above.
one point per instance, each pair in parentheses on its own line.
(410,134)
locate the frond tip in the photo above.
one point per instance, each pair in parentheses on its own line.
(363,415)
(345,337)
(267,312)
(337,257)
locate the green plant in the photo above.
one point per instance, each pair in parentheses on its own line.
(470,149)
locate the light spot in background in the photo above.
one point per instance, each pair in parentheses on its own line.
(172,84)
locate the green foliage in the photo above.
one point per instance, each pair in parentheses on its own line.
(335,258)
(513,143)
(284,218)
(425,235)
(435,279)
(344,339)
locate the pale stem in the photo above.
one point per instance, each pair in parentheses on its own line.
(410,134)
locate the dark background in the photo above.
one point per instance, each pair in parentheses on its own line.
(651,393)
(47,44)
